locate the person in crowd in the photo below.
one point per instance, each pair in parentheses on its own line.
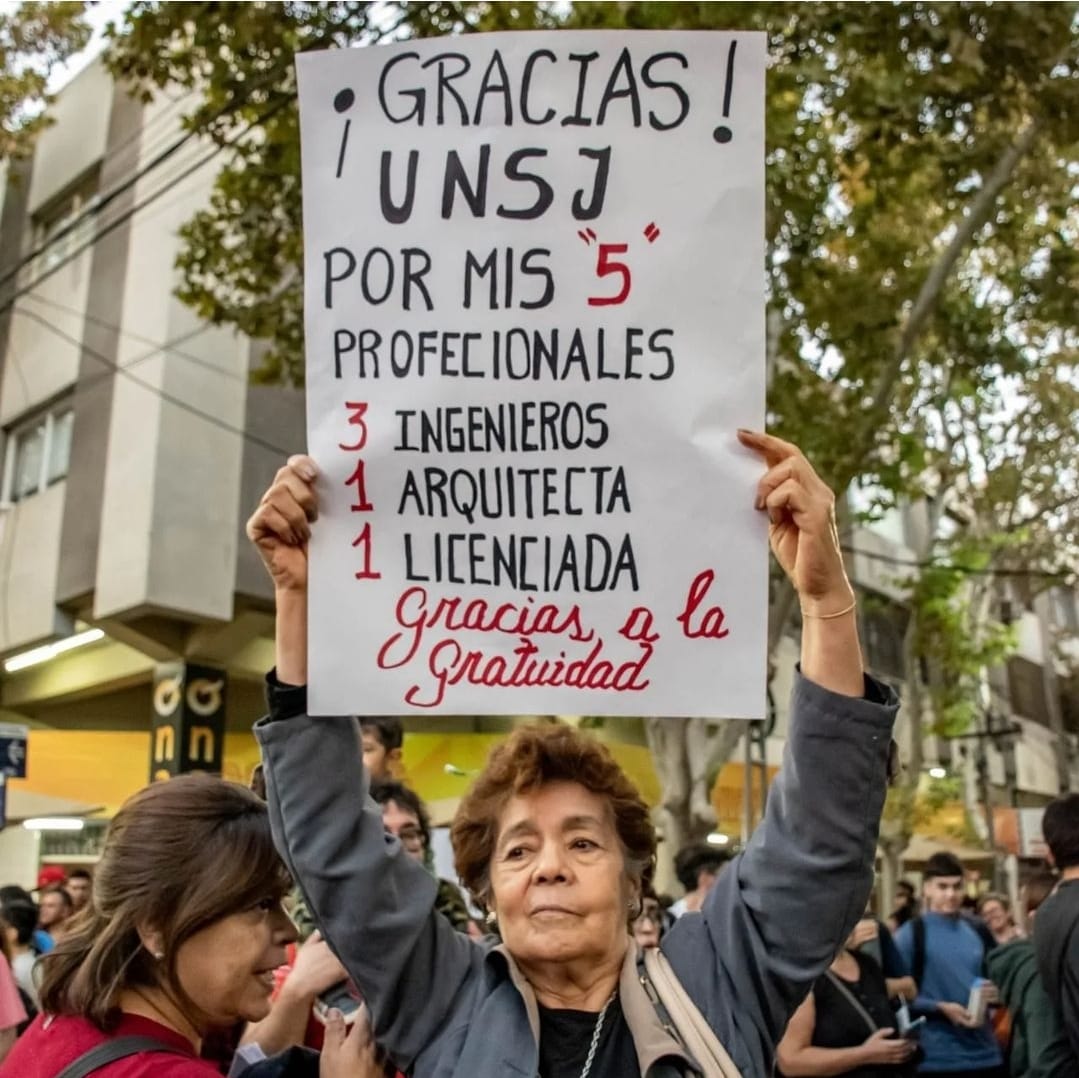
(183,936)
(647,929)
(405,817)
(905,906)
(12,1010)
(946,955)
(557,844)
(872,938)
(697,867)
(1056,930)
(20,919)
(78,886)
(995,911)
(54,911)
(846,1024)
(382,738)
(1037,1044)
(293,1020)
(42,941)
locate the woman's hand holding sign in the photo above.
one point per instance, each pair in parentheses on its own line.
(280,528)
(805,542)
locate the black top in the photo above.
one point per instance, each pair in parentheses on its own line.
(840,1025)
(1056,941)
(566,1036)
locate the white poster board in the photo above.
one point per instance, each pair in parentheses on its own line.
(534,321)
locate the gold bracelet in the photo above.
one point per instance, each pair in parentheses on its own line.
(828,617)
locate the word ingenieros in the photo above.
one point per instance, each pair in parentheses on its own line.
(503,491)
(516,354)
(447,90)
(511,426)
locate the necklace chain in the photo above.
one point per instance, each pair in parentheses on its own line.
(595,1035)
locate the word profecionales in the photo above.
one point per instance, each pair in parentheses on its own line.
(516,354)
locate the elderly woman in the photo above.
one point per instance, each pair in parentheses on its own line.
(182,936)
(555,842)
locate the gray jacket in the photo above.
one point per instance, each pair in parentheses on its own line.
(445,1006)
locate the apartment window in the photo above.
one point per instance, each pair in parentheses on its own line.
(38,452)
(1065,613)
(1027,689)
(884,624)
(52,224)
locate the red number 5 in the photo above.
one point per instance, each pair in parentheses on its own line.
(605,266)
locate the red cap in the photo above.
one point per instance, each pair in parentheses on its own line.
(50,875)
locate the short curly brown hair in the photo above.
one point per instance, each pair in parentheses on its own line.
(530,758)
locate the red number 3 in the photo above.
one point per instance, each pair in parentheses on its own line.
(605,266)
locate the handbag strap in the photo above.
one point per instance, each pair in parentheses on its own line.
(680,1015)
(853,1000)
(110,1051)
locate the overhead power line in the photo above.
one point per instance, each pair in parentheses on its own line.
(130,212)
(178,402)
(907,563)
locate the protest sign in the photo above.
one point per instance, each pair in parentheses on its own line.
(534,321)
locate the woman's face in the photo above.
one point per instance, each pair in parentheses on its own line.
(227,968)
(558,880)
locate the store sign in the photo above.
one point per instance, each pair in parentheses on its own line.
(1031,839)
(188,726)
(13,740)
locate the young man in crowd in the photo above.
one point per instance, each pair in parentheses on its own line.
(1056,928)
(78,886)
(54,909)
(383,738)
(946,955)
(697,867)
(404,815)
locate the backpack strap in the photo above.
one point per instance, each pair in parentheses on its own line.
(110,1051)
(917,966)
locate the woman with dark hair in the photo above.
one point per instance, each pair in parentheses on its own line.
(182,935)
(846,1024)
(556,843)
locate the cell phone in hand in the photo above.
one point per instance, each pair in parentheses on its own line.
(342,997)
(914,1028)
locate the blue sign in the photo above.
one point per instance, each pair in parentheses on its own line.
(13,750)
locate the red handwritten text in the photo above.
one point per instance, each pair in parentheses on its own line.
(710,621)
(415,616)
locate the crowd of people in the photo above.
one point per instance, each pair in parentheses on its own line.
(299,927)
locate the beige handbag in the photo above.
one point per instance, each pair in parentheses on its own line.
(679,1013)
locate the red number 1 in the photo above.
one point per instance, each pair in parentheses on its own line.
(358,478)
(364,540)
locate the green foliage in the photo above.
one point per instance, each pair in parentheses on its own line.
(34,38)
(959,639)
(886,123)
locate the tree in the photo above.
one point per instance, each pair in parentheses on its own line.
(34,38)
(921,258)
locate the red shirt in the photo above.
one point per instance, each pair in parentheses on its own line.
(51,1043)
